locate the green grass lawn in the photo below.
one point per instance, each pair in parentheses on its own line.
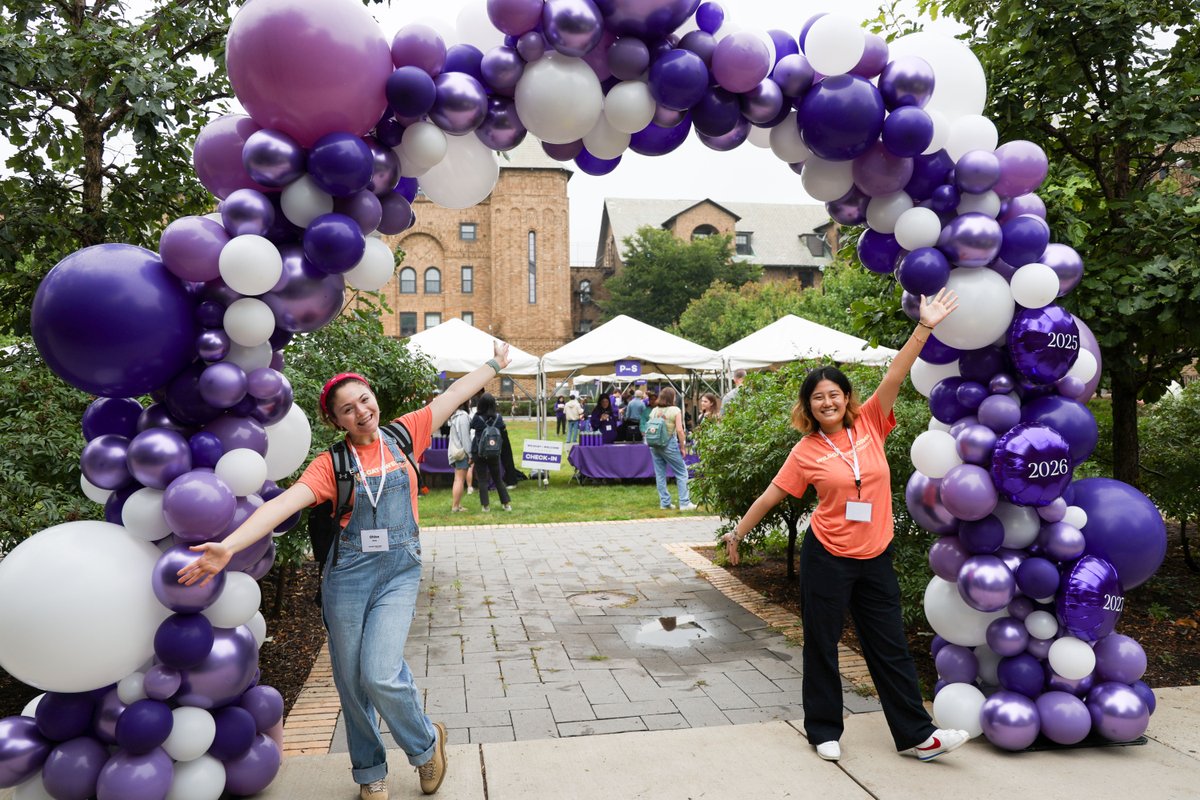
(563,500)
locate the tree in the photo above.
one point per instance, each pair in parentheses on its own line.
(663,274)
(101,108)
(1109,88)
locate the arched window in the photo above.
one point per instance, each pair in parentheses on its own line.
(408,281)
(703,232)
(433,281)
(532,267)
(585,292)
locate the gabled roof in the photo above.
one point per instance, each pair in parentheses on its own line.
(530,155)
(791,338)
(624,337)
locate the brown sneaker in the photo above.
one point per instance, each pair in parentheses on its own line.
(433,771)
(375,790)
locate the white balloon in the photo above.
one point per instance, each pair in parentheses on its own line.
(1041,625)
(250,264)
(237,603)
(131,688)
(604,141)
(786,143)
(302,201)
(972,132)
(1021,524)
(1072,658)
(1034,285)
(934,453)
(957,707)
(989,663)
(201,779)
(984,313)
(1076,517)
(287,444)
(760,137)
(559,98)
(409,168)
(925,376)
(475,28)
(1084,367)
(375,268)
(258,627)
(250,358)
(941,131)
(249,321)
(245,471)
(142,515)
(32,789)
(424,145)
(629,106)
(97,495)
(918,227)
(960,87)
(883,211)
(936,424)
(954,620)
(31,707)
(834,44)
(983,203)
(826,180)
(191,735)
(465,177)
(79,609)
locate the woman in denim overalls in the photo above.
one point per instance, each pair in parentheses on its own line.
(370,591)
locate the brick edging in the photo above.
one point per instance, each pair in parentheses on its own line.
(308,729)
(576,524)
(851,665)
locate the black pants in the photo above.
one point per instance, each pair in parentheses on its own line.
(485,470)
(560,425)
(828,585)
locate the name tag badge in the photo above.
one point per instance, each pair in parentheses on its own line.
(858,511)
(375,540)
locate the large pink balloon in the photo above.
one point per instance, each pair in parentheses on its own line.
(309,67)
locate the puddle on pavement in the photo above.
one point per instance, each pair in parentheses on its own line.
(679,631)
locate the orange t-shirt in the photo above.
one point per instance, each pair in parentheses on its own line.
(318,475)
(813,462)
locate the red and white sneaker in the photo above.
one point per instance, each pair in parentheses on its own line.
(942,741)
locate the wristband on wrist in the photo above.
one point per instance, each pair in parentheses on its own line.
(923,325)
(494,364)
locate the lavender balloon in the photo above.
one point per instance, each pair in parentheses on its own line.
(217,154)
(628,58)
(502,67)
(999,412)
(1066,263)
(1057,683)
(1044,343)
(531,46)
(976,171)
(1119,658)
(1023,167)
(1118,712)
(1007,636)
(878,171)
(265,705)
(1010,720)
(161,682)
(740,61)
(198,506)
(73,768)
(397,217)
(1031,465)
(1065,718)
(968,492)
(985,583)
(971,240)
(850,208)
(1090,599)
(794,75)
(173,594)
(136,777)
(190,248)
(254,770)
(946,557)
(514,17)
(957,664)
(224,674)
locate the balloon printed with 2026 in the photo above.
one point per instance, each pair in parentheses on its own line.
(343,125)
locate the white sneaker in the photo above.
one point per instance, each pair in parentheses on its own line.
(693,507)
(470,490)
(942,741)
(830,751)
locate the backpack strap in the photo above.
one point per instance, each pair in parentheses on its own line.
(344,470)
(403,438)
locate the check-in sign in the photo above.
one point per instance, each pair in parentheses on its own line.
(542,454)
(628,369)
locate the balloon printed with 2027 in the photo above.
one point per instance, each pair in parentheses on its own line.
(343,126)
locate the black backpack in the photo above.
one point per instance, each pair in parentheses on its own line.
(490,443)
(325,519)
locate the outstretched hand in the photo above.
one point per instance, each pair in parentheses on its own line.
(215,557)
(501,353)
(731,548)
(937,308)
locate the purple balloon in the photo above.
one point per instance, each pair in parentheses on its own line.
(1061,541)
(465,58)
(1022,674)
(531,46)
(563,152)
(502,67)
(936,645)
(104,461)
(22,750)
(73,768)
(261,567)
(628,58)
(946,557)
(1065,718)
(976,171)
(1037,577)
(1057,683)
(190,247)
(247,212)
(1044,343)
(411,92)
(943,400)
(1031,465)
(794,75)
(678,80)
(212,345)
(649,20)
(183,641)
(158,456)
(225,672)
(923,271)
(1054,511)
(1146,693)
(907,132)
(727,141)
(879,172)
(65,715)
(1025,239)
(985,583)
(1021,607)
(1007,637)
(272,158)
(668,117)
(654,140)
(572,27)
(1118,712)
(740,61)
(162,682)
(841,117)
(1119,658)
(980,365)
(1002,384)
(514,17)
(1070,418)
(922,496)
(265,382)
(127,776)
(878,251)
(127,346)
(265,705)
(501,128)
(253,771)
(763,103)
(957,664)
(272,409)
(963,422)
(198,506)
(363,207)
(999,412)
(206,450)
(397,217)
(1065,262)
(975,444)
(236,432)
(183,401)
(173,594)
(1010,720)
(385,166)
(936,351)
(1090,598)
(850,208)
(305,297)
(785,44)
(145,725)
(929,172)
(217,154)
(971,240)
(970,394)
(968,492)
(1024,204)
(246,559)
(333,243)
(235,733)
(222,385)
(710,17)
(1023,167)
(340,164)
(981,536)
(116,502)
(945,198)
(460,105)
(906,81)
(874,58)
(595,166)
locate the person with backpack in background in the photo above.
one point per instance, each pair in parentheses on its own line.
(489,428)
(458,452)
(369,592)
(663,434)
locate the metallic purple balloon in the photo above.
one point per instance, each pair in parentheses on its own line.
(794,75)
(1090,599)
(957,664)
(878,251)
(72,768)
(906,81)
(1053,511)
(946,557)
(108,710)
(727,141)
(999,412)
(397,217)
(217,154)
(531,46)
(841,117)
(254,770)
(1066,263)
(981,536)
(971,240)
(678,80)
(975,444)
(460,104)
(874,58)
(1061,541)
(647,19)
(985,583)
(1023,167)
(385,167)
(104,461)
(1065,718)
(1002,384)
(1010,720)
(212,345)
(968,492)
(945,198)
(502,67)
(142,776)
(762,103)
(198,506)
(670,118)
(1024,204)
(628,58)
(161,682)
(272,409)
(923,271)
(1031,465)
(572,27)
(502,129)
(879,172)
(264,382)
(717,112)
(183,401)
(1119,658)
(272,158)
(514,17)
(23,750)
(976,171)
(1044,343)
(1007,636)
(1118,712)
(922,497)
(850,209)
(334,243)
(158,456)
(225,672)
(182,641)
(655,140)
(1025,239)
(173,594)
(222,385)
(190,248)
(963,423)
(1021,607)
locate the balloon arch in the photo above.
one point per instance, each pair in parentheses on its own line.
(151,686)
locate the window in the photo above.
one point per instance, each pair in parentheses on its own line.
(408,323)
(467,231)
(433,281)
(742,244)
(408,283)
(585,292)
(506,387)
(468,280)
(432,319)
(469,318)
(532,267)
(815,244)
(585,325)
(703,232)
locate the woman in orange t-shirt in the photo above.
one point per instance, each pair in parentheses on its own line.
(846,562)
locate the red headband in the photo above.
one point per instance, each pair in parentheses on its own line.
(334,381)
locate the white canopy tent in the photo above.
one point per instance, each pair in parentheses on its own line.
(626,339)
(457,348)
(792,338)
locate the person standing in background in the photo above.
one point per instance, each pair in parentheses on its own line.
(573,411)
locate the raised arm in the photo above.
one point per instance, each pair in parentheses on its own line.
(933,311)
(465,387)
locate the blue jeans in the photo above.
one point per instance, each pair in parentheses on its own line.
(370,600)
(572,430)
(670,456)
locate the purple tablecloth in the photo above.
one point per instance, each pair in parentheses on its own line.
(617,461)
(436,461)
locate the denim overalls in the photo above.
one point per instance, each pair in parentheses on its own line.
(369,603)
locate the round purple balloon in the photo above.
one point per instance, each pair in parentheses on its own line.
(502,67)
(1007,637)
(397,216)
(946,557)
(1057,683)
(999,412)
(363,207)
(1022,674)
(222,385)
(1025,239)
(182,641)
(247,212)
(127,776)
(878,251)
(1044,343)
(740,61)
(841,117)
(943,400)
(217,154)
(727,141)
(794,75)
(878,171)
(976,171)
(272,158)
(225,672)
(1010,720)
(1066,263)
(531,46)
(923,271)
(65,715)
(145,725)
(649,20)
(1090,598)
(976,443)
(104,461)
(173,594)
(1119,658)
(73,768)
(265,705)
(968,492)
(190,247)
(161,682)
(906,81)
(305,298)
(254,770)
(206,450)
(907,132)
(922,496)
(850,208)
(1118,712)
(985,583)
(158,456)
(1031,465)
(971,240)
(957,664)
(1146,693)
(198,506)
(1070,418)
(678,80)
(572,27)
(1038,577)
(982,536)
(340,164)
(460,104)
(628,58)
(1023,167)
(514,17)
(1065,718)
(334,243)
(595,166)
(235,732)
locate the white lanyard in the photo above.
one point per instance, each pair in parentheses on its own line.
(854,452)
(382,475)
